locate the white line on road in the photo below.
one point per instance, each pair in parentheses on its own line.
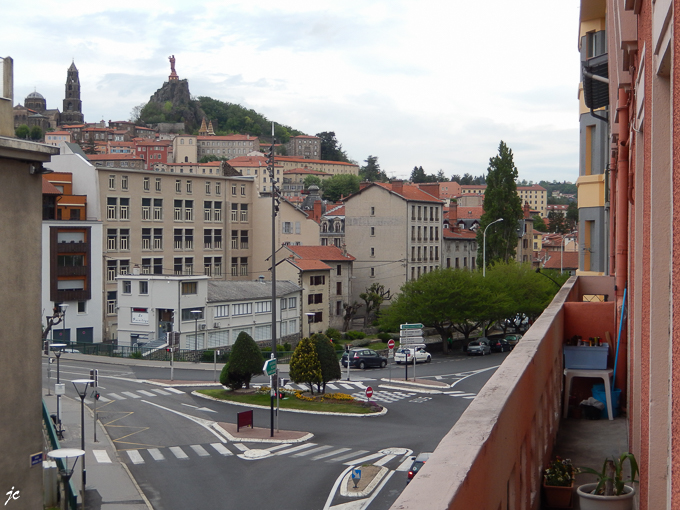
(364,459)
(384,460)
(147,393)
(135,457)
(221,449)
(200,450)
(331,453)
(178,452)
(338,480)
(405,466)
(101,456)
(173,390)
(206,424)
(104,399)
(278,447)
(116,396)
(130,394)
(313,450)
(156,454)
(345,457)
(241,447)
(347,386)
(160,392)
(296,448)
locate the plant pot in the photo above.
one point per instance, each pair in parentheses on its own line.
(589,501)
(558,497)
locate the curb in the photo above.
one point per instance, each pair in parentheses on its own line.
(371,415)
(369,488)
(421,385)
(416,390)
(235,439)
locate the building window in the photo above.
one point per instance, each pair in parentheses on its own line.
(189,288)
(143,287)
(146,239)
(263,306)
(372,252)
(124,209)
(111,208)
(188,210)
(112,239)
(372,272)
(157,238)
(124,239)
(234,266)
(157,208)
(112,182)
(314,299)
(147,185)
(218,188)
(338,288)
(124,182)
(158,183)
(187,314)
(234,212)
(373,231)
(146,208)
(111,302)
(243,190)
(317,280)
(233,189)
(244,239)
(217,211)
(127,287)
(207,211)
(244,212)
(190,187)
(244,266)
(242,309)
(207,187)
(372,211)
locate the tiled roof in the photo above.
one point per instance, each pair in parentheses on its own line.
(332,253)
(336,211)
(534,187)
(321,161)
(461,234)
(308,265)
(469,212)
(58,133)
(567,260)
(249,161)
(49,189)
(306,136)
(146,141)
(109,157)
(408,192)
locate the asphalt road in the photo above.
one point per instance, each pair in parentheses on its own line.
(163,437)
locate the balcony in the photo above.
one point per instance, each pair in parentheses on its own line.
(494,456)
(72,247)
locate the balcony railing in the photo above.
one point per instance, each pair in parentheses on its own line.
(494,455)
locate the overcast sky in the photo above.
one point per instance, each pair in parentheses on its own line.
(429,83)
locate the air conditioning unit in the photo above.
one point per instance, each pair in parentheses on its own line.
(203,326)
(216,325)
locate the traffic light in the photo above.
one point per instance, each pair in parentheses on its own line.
(46,347)
(96,396)
(94,376)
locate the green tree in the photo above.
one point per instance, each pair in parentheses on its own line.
(372,172)
(440,177)
(350,312)
(572,216)
(22,131)
(305,367)
(36,133)
(211,157)
(312,180)
(418,175)
(558,223)
(245,361)
(539,224)
(374,296)
(500,201)
(331,150)
(330,368)
(341,185)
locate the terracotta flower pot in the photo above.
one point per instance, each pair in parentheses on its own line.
(589,501)
(558,497)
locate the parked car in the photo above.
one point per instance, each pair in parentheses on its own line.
(70,350)
(418,462)
(405,354)
(480,347)
(513,339)
(362,358)
(499,345)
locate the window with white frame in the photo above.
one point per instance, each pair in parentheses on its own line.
(158,209)
(158,183)
(263,332)
(112,182)
(111,208)
(147,184)
(217,211)
(242,309)
(190,187)
(207,211)
(263,306)
(292,302)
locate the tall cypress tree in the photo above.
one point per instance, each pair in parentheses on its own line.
(500,201)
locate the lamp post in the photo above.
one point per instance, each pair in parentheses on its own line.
(310,318)
(83,384)
(484,249)
(66,473)
(63,307)
(564,239)
(196,314)
(58,388)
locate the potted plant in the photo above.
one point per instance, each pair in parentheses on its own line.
(558,482)
(610,491)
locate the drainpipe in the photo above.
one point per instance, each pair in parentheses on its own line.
(612,212)
(622,197)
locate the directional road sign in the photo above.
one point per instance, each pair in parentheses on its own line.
(411,326)
(411,340)
(270,366)
(404,333)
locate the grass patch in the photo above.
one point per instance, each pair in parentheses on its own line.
(292,402)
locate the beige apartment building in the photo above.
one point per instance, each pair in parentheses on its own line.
(394,231)
(304,146)
(229,146)
(329,167)
(536,196)
(173,224)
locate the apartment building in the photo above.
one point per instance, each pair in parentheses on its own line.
(153,151)
(304,146)
(256,167)
(333,226)
(459,248)
(394,231)
(294,180)
(329,167)
(536,196)
(229,146)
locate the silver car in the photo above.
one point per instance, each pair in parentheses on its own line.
(480,347)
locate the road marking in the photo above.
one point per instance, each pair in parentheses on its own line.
(241,447)
(206,424)
(147,393)
(156,454)
(278,447)
(200,450)
(331,453)
(345,457)
(296,448)
(135,457)
(406,465)
(347,386)
(364,459)
(221,449)
(313,450)
(101,456)
(104,399)
(173,390)
(160,392)
(130,394)
(331,386)
(178,452)
(384,460)
(116,396)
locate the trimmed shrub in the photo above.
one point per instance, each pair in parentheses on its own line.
(384,336)
(360,342)
(333,333)
(245,361)
(354,335)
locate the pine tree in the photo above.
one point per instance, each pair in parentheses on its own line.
(500,201)
(304,364)
(245,361)
(330,368)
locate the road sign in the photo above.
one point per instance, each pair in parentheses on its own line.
(369,392)
(412,340)
(411,326)
(270,366)
(390,344)
(405,333)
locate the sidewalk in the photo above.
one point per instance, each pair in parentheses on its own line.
(110,486)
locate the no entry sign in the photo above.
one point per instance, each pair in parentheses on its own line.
(390,343)
(369,392)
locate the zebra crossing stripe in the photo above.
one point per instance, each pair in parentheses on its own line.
(331,453)
(296,448)
(161,392)
(147,393)
(406,465)
(104,399)
(470,398)
(278,447)
(135,457)
(130,394)
(384,460)
(200,450)
(331,386)
(313,450)
(347,386)
(364,459)
(178,452)
(221,449)
(116,396)
(101,456)
(173,390)
(345,457)
(241,447)
(156,454)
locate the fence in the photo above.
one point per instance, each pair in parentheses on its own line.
(51,442)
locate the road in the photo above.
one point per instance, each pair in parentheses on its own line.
(163,435)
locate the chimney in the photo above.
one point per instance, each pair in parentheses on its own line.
(316,216)
(453,212)
(430,187)
(398,186)
(527,210)
(363,184)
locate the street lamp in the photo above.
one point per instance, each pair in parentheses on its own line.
(66,473)
(564,239)
(63,307)
(58,388)
(196,314)
(484,249)
(310,318)
(83,384)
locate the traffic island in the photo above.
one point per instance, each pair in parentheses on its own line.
(369,478)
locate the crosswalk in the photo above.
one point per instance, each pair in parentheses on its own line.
(309,451)
(124,395)
(461,394)
(384,396)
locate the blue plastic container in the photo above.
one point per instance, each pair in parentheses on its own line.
(600,394)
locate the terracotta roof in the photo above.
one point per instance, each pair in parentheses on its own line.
(146,141)
(336,211)
(567,260)
(97,129)
(49,189)
(321,161)
(57,133)
(107,157)
(473,186)
(332,253)
(408,192)
(249,161)
(469,213)
(72,126)
(534,187)
(306,136)
(460,234)
(227,137)
(308,265)
(304,171)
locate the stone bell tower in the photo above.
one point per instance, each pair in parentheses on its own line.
(73,106)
